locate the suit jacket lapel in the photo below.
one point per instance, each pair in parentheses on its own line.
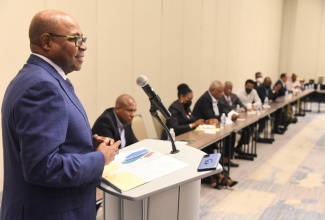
(64,85)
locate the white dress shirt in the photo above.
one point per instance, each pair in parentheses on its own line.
(214,104)
(121,129)
(252,97)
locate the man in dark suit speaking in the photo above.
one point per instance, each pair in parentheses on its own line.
(116,122)
(52,162)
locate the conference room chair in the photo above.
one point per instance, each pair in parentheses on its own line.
(139,128)
(159,129)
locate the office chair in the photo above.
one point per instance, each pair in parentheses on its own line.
(138,127)
(159,129)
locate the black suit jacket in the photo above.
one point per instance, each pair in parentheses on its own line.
(283,89)
(179,120)
(106,125)
(203,108)
(262,92)
(256,85)
(234,101)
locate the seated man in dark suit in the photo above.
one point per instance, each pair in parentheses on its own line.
(263,91)
(208,107)
(231,100)
(116,122)
(279,123)
(282,84)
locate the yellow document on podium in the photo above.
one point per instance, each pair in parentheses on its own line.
(134,168)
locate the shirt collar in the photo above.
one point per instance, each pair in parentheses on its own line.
(119,123)
(56,67)
(213,99)
(227,97)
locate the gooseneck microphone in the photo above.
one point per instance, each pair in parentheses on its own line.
(142,81)
(156,104)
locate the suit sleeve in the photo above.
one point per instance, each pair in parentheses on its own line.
(175,122)
(238,102)
(282,91)
(261,93)
(103,127)
(42,122)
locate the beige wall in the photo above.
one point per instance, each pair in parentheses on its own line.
(303,38)
(170,41)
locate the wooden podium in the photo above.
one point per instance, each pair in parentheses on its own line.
(173,196)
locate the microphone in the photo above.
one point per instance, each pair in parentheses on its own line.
(142,81)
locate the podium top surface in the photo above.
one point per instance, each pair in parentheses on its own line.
(180,177)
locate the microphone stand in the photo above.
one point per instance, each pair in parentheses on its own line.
(153,111)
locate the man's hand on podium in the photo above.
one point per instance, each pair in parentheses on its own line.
(107,146)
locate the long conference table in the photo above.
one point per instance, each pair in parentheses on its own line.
(200,139)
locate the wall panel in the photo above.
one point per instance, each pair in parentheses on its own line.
(192,43)
(147,54)
(114,58)
(172,44)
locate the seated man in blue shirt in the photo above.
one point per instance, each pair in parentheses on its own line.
(116,122)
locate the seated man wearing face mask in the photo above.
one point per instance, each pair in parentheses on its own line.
(259,80)
(249,94)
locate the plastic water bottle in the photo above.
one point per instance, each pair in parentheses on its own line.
(318,87)
(172,133)
(238,109)
(259,109)
(266,101)
(286,95)
(223,121)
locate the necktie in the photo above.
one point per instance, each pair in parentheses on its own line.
(228,100)
(69,83)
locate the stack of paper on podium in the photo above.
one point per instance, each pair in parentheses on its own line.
(131,169)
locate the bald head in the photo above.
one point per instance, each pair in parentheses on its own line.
(124,100)
(48,33)
(216,89)
(44,22)
(125,108)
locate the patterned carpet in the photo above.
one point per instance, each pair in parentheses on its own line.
(285,181)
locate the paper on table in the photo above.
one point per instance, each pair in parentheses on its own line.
(134,168)
(241,119)
(209,129)
(125,180)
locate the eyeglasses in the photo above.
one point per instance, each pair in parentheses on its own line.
(78,40)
